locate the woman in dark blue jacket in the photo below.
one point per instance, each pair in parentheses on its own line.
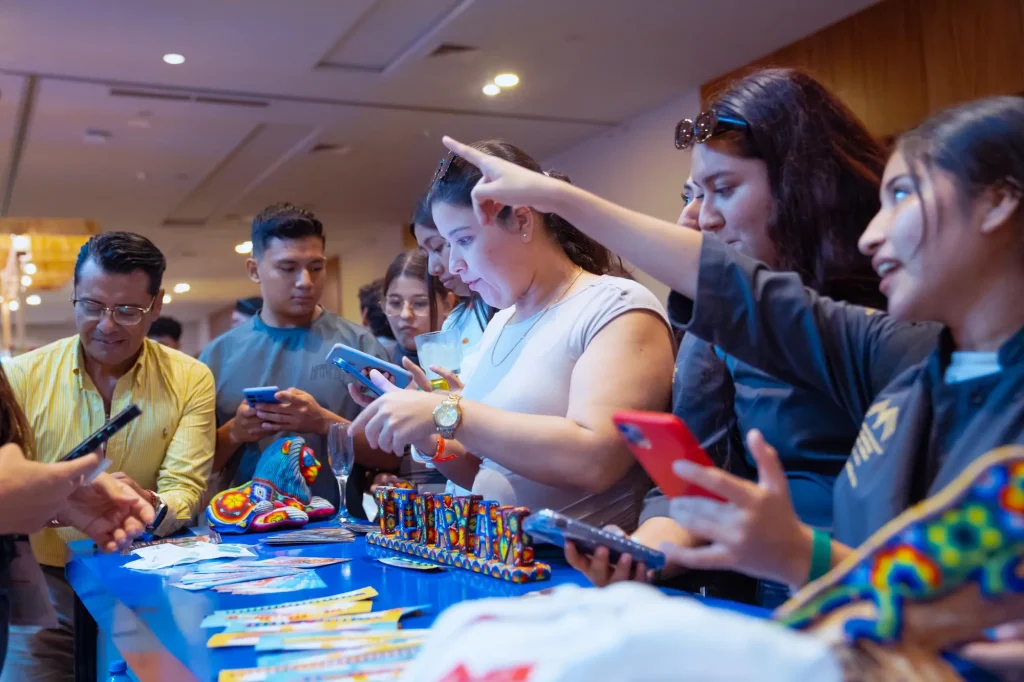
(794,189)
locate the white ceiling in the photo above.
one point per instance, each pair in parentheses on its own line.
(347,72)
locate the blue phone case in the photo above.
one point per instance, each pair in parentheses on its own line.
(345,367)
(357,360)
(550,526)
(262,394)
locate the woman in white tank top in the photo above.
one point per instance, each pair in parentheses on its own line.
(571,345)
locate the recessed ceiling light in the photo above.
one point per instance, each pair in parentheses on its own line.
(330,148)
(167,298)
(96,136)
(22,242)
(26,281)
(244,247)
(491,89)
(30,268)
(173,58)
(33,300)
(181,287)
(12,306)
(506,80)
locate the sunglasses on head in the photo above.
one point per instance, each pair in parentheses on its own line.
(707,125)
(442,170)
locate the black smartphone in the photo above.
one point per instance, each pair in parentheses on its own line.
(105,432)
(550,526)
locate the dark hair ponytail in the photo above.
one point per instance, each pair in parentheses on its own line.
(455,187)
(980,143)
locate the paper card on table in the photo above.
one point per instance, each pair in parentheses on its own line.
(376,651)
(304,580)
(399,562)
(251,637)
(208,580)
(340,662)
(251,574)
(361,528)
(289,657)
(351,608)
(222,617)
(376,675)
(155,557)
(347,640)
(388,616)
(312,536)
(198,535)
(290,561)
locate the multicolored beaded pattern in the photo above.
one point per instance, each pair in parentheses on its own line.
(971,532)
(461,531)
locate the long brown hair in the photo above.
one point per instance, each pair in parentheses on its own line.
(824,168)
(413,264)
(14,427)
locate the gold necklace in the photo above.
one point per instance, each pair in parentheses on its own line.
(548,307)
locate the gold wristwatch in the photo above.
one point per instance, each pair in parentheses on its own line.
(448,416)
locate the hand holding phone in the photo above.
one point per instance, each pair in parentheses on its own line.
(353,362)
(261,394)
(104,433)
(657,440)
(554,528)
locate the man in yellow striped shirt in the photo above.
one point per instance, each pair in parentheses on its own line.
(68,389)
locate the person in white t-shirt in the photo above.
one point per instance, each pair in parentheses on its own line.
(571,345)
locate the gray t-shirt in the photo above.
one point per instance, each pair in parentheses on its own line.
(529,370)
(254,354)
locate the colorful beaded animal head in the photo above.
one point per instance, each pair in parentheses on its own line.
(278,495)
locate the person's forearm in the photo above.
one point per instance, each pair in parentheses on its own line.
(660,529)
(226,447)
(180,509)
(658,247)
(328,419)
(799,568)
(461,470)
(839,553)
(377,460)
(553,451)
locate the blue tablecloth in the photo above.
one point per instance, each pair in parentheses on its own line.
(155,627)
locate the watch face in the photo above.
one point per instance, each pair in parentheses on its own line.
(446,416)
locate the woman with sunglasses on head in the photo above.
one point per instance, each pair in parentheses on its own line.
(786,174)
(570,345)
(948,243)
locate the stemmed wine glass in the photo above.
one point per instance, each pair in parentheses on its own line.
(341,453)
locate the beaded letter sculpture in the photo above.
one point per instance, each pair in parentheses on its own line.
(941,573)
(278,495)
(461,531)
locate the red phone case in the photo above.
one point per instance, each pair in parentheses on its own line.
(657,440)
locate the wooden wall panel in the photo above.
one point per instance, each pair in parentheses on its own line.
(899,60)
(331,299)
(972,50)
(220,321)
